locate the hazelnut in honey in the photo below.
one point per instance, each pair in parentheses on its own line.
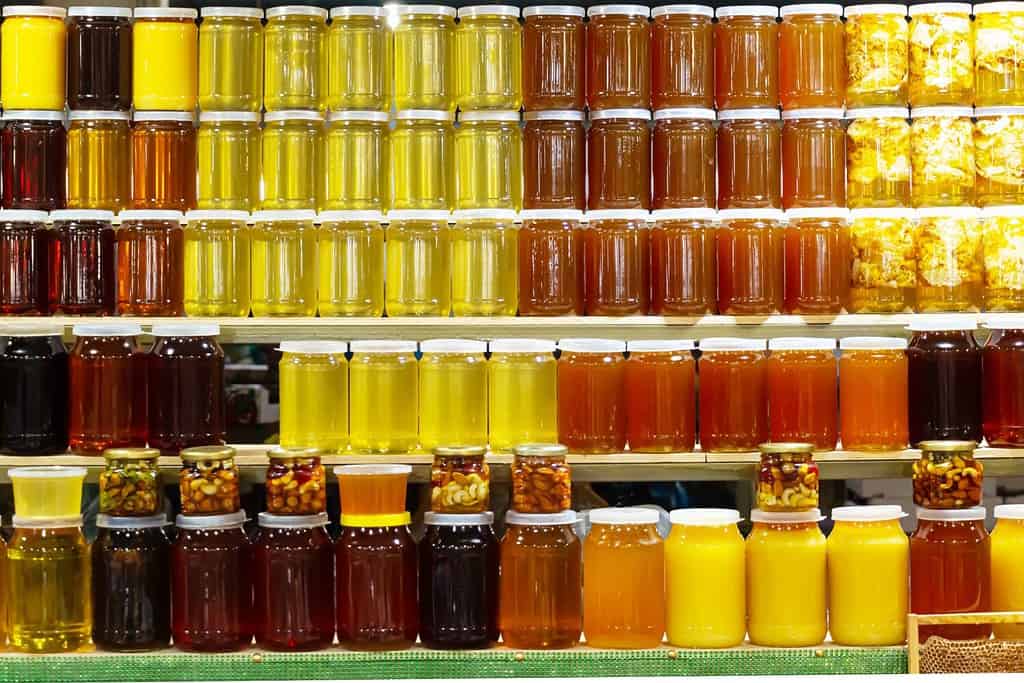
(296,482)
(947,475)
(788,480)
(540,479)
(209,481)
(130,483)
(460,480)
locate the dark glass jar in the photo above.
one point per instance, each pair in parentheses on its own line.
(294,574)
(23,254)
(458,582)
(82,263)
(945,379)
(33,149)
(131,583)
(186,387)
(211,584)
(1002,374)
(151,263)
(33,395)
(99,58)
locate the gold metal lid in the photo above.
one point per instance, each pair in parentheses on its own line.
(131,453)
(786,447)
(460,451)
(207,453)
(947,446)
(535,450)
(293,452)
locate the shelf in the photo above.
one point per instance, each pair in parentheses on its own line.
(337,664)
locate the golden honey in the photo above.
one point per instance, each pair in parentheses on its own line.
(422,162)
(217,263)
(231,59)
(292,160)
(284,264)
(99,160)
(350,263)
(359,59)
(228,158)
(357,162)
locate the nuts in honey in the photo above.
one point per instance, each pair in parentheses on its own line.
(540,479)
(788,480)
(296,482)
(460,480)
(130,483)
(947,475)
(208,481)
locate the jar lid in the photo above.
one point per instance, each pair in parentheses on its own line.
(660,345)
(619,10)
(424,115)
(1004,321)
(940,8)
(749,115)
(98,115)
(131,453)
(431,215)
(298,215)
(551,215)
(376,11)
(947,446)
(382,346)
(536,519)
(805,517)
(699,10)
(23,522)
(86,11)
(232,12)
(151,215)
(106,330)
(941,323)
(435,10)
(872,344)
(900,213)
(358,115)
(776,215)
(626,114)
(698,113)
(773,447)
(801,344)
(471,11)
(104,521)
(944,111)
(23,216)
(152,115)
(81,215)
(293,115)
(507,215)
(199,453)
(691,214)
(460,451)
(704,517)
(971,514)
(16,331)
(46,472)
(738,10)
(34,11)
(32,114)
(443,519)
(867,513)
(831,113)
(523,346)
(370,470)
(540,450)
(375,520)
(821,212)
(587,345)
(992,7)
(554,11)
(732,344)
(314,347)
(189,329)
(1008,211)
(350,216)
(165,13)
(555,114)
(268,520)
(1008,511)
(811,8)
(229,116)
(617,215)
(216,215)
(230,520)
(292,452)
(984,112)
(487,115)
(618,516)
(296,11)
(964,212)
(453,346)
(877,112)
(876,8)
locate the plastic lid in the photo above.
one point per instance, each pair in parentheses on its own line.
(1004,321)
(375,520)
(23,216)
(876,8)
(382,346)
(358,115)
(271,521)
(370,470)
(229,116)
(166,13)
(442,519)
(228,521)
(786,517)
(46,472)
(24,522)
(628,114)
(981,112)
(34,11)
(626,10)
(485,115)
(104,521)
(939,7)
(106,330)
(741,10)
(699,10)
(684,215)
(957,112)
(555,115)
(872,344)
(968,212)
(371,9)
(732,344)
(1008,512)
(81,215)
(471,11)
(424,115)
(776,215)
(453,346)
(484,214)
(432,215)
(216,215)
(523,346)
(532,519)
(901,213)
(811,8)
(98,115)
(749,115)
(698,113)
(235,12)
(14,331)
(350,216)
(409,7)
(617,215)
(585,345)
(878,112)
(972,514)
(660,345)
(33,114)
(555,11)
(632,515)
(867,513)
(315,347)
(551,215)
(705,517)
(992,7)
(296,11)
(152,115)
(836,212)
(293,115)
(151,215)
(185,329)
(87,11)
(304,215)
(814,112)
(801,344)
(939,323)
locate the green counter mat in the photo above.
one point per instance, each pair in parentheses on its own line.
(340,664)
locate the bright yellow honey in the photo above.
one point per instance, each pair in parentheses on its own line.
(489,161)
(417,261)
(99,160)
(231,59)
(284,264)
(217,264)
(488,58)
(359,62)
(165,59)
(350,264)
(357,161)
(453,393)
(32,57)
(485,260)
(295,69)
(228,153)
(424,52)
(384,385)
(314,395)
(522,393)
(292,160)
(422,165)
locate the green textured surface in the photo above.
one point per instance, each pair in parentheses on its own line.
(339,664)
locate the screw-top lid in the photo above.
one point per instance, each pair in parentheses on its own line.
(555,115)
(801,344)
(424,115)
(940,323)
(203,453)
(617,215)
(687,113)
(106,330)
(872,344)
(806,517)
(231,520)
(543,346)
(1008,512)
(489,115)
(81,215)
(439,8)
(296,10)
(666,7)
(216,215)
(618,10)
(33,114)
(947,445)
(229,116)
(660,345)
(630,114)
(360,8)
(829,9)
(944,111)
(359,115)
(34,11)
(98,115)
(151,215)
(166,13)
(442,519)
(314,347)
(749,8)
(867,513)
(292,452)
(453,346)
(23,216)
(749,115)
(532,519)
(295,215)
(540,450)
(830,113)
(173,116)
(877,112)
(293,115)
(1005,211)
(131,453)
(485,10)
(46,472)
(551,215)
(104,521)
(382,346)
(776,447)
(239,9)
(732,344)
(776,215)
(507,215)
(1004,321)
(891,213)
(620,516)
(89,11)
(268,520)
(185,329)
(704,517)
(860,7)
(972,514)
(691,214)
(918,8)
(66,522)
(429,215)
(586,345)
(350,216)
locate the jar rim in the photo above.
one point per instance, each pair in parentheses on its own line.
(591,345)
(471,11)
(808,516)
(455,346)
(100,11)
(165,13)
(273,215)
(231,12)
(46,472)
(689,214)
(690,113)
(750,114)
(216,215)
(942,111)
(621,113)
(623,516)
(229,117)
(293,452)
(35,11)
(617,215)
(151,215)
(23,216)
(350,216)
(801,344)
(296,11)
(155,115)
(811,8)
(507,215)
(872,344)
(522,346)
(293,115)
(939,7)
(971,514)
(106,330)
(199,453)
(670,9)
(705,517)
(554,10)
(105,521)
(314,347)
(660,345)
(566,517)
(457,520)
(555,115)
(867,513)
(551,215)
(424,115)
(98,115)
(732,344)
(618,9)
(876,8)
(229,520)
(1004,321)
(878,112)
(746,11)
(1008,511)
(268,520)
(381,346)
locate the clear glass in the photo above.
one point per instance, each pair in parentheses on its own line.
(999,158)
(130,483)
(284,268)
(877,58)
(787,481)
(873,399)
(878,162)
(460,483)
(293,164)
(683,164)
(228,155)
(661,401)
(883,262)
(34,160)
(947,476)
(749,164)
(314,399)
(942,161)
(618,61)
(1002,240)
(746,62)
(488,61)
(616,260)
(999,56)
(941,58)
(357,163)
(208,481)
(350,268)
(949,262)
(682,59)
(295,64)
(488,164)
(682,267)
(618,164)
(522,399)
(151,267)
(359,59)
(749,261)
(550,266)
(733,402)
(541,483)
(32,62)
(813,163)
(163,165)
(592,401)
(296,481)
(24,249)
(99,164)
(217,267)
(803,392)
(165,64)
(812,60)
(453,398)
(424,58)
(383,418)
(107,394)
(555,164)
(83,275)
(554,62)
(485,271)
(423,164)
(417,279)
(816,261)
(230,63)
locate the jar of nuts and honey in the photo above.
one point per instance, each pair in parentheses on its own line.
(296,482)
(947,475)
(788,479)
(460,480)
(130,483)
(540,479)
(208,481)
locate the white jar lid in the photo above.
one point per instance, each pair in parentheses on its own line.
(1003,321)
(669,10)
(471,11)
(293,115)
(660,345)
(825,212)
(555,115)
(87,11)
(424,115)
(98,115)
(104,521)
(1007,211)
(801,344)
(831,113)
(765,114)
(867,513)
(628,114)
(151,215)
(81,215)
(185,329)
(926,322)
(26,522)
(544,346)
(872,344)
(691,214)
(1008,512)
(382,346)
(487,115)
(229,521)
(746,11)
(431,215)
(107,330)
(732,344)
(776,215)
(314,347)
(689,113)
(971,514)
(617,215)
(358,115)
(586,345)
(966,212)
(895,213)
(453,346)
(166,13)
(445,519)
(878,112)
(507,215)
(46,472)
(551,215)
(35,11)
(232,12)
(301,215)
(786,517)
(229,117)
(23,216)
(350,216)
(811,8)
(217,215)
(531,519)
(627,10)
(268,520)
(618,516)
(1005,6)
(296,11)
(944,111)
(554,11)
(880,8)
(154,115)
(33,114)
(432,10)
(982,112)
(940,8)
(704,517)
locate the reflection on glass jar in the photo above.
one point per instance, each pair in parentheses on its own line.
(733,394)
(83,273)
(99,52)
(813,158)
(812,59)
(942,156)
(877,157)
(877,55)
(816,261)
(682,243)
(746,57)
(941,54)
(295,65)
(618,57)
(554,54)
(1002,366)
(1002,237)
(684,158)
(998,54)
(522,386)
(453,392)
(949,260)
(749,259)
(682,57)
(883,261)
(619,160)
(999,155)
(591,395)
(873,393)
(749,159)
(945,380)
(33,150)
(802,391)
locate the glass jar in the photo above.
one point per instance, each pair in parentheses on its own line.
(34,46)
(314,396)
(684,158)
(813,158)
(422,161)
(452,393)
(208,483)
(99,160)
(873,393)
(33,149)
(623,579)
(618,57)
(384,380)
(733,402)
(786,549)
(131,583)
(48,494)
(417,264)
(350,263)
(458,581)
(488,58)
(106,388)
(488,161)
(165,62)
(212,584)
(228,150)
(746,40)
(945,380)
(998,55)
(749,159)
(295,64)
(682,244)
(619,160)
(424,56)
(592,395)
(1002,237)
(616,260)
(661,396)
(82,263)
(99,52)
(883,261)
(231,59)
(24,246)
(950,560)
(284,263)
(1006,543)
(130,483)
(877,157)
(359,58)
(357,162)
(802,391)
(788,480)
(749,261)
(877,55)
(522,386)
(941,54)
(460,480)
(34,394)
(868,561)
(704,566)
(293,160)
(485,256)
(293,573)
(151,263)
(541,602)
(816,261)
(950,259)
(541,483)
(1002,375)
(163,160)
(550,262)
(998,154)
(369,493)
(554,160)
(812,59)
(218,263)
(942,156)
(554,56)
(682,56)
(947,475)
(296,482)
